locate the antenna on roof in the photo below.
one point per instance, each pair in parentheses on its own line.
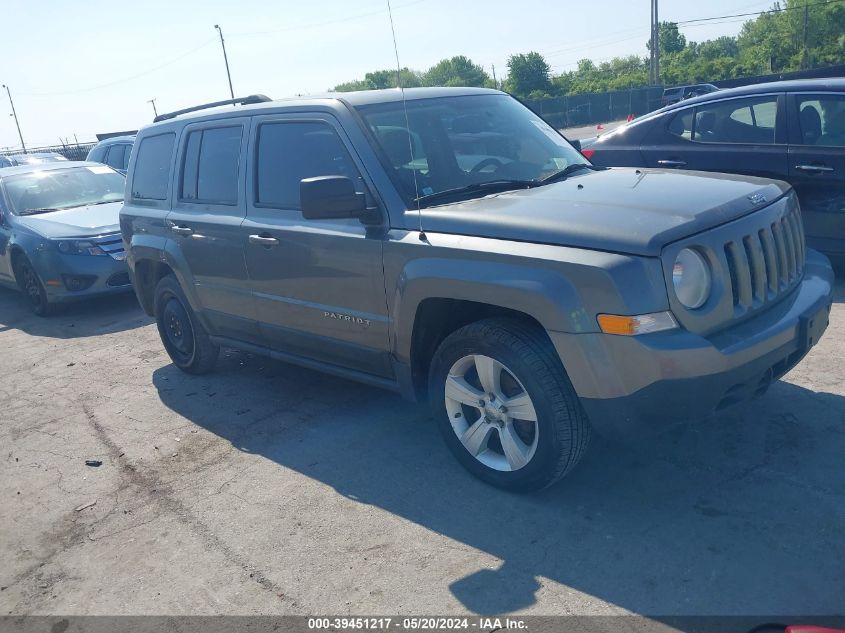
(407,122)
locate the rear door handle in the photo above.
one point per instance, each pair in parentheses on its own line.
(814,168)
(264,240)
(672,163)
(182,230)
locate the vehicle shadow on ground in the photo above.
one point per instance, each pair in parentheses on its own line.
(740,514)
(92,317)
(839,287)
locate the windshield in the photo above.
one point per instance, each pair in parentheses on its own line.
(459,142)
(55,189)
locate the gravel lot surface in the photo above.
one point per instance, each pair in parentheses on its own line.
(265,488)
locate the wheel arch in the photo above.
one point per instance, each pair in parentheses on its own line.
(438,317)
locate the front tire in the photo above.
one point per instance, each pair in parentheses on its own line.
(32,288)
(505,405)
(185,339)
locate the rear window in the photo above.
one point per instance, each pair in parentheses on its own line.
(152,167)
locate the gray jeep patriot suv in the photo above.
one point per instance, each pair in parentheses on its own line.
(454,247)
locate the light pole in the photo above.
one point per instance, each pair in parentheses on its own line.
(153,102)
(15,114)
(225,59)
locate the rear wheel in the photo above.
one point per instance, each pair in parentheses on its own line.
(32,288)
(186,341)
(505,406)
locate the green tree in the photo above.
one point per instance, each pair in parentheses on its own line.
(457,71)
(669,38)
(528,73)
(380,79)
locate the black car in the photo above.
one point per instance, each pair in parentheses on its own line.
(788,130)
(114,152)
(679,93)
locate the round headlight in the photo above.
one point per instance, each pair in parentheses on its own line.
(691,278)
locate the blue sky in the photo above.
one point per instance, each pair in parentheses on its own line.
(81,67)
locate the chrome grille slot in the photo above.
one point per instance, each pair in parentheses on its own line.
(770,255)
(783,271)
(754,253)
(790,249)
(740,275)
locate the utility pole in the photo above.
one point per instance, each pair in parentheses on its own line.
(495,81)
(651,81)
(153,102)
(15,114)
(225,59)
(805,55)
(654,58)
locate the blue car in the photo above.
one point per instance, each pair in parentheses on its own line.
(59,232)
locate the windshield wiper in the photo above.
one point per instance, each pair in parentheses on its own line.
(37,211)
(490,186)
(567,171)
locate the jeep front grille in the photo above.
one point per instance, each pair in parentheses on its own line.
(765,262)
(756,260)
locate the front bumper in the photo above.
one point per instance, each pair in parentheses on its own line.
(99,274)
(628,383)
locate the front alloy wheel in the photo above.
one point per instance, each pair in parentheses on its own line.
(505,406)
(491,413)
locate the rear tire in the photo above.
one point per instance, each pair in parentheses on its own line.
(533,431)
(32,288)
(185,339)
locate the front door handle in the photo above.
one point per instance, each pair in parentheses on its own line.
(672,163)
(264,240)
(182,230)
(814,168)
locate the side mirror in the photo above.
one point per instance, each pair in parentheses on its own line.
(330,197)
(575,143)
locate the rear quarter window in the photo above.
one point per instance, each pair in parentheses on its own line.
(152,167)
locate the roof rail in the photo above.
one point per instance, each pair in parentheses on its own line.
(239,101)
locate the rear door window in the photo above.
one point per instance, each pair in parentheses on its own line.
(152,168)
(822,119)
(210,166)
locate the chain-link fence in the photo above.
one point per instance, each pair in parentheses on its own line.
(600,107)
(75,151)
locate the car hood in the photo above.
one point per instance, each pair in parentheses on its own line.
(87,221)
(633,211)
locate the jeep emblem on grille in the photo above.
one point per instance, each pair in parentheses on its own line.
(757,198)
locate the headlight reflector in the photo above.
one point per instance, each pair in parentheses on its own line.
(691,278)
(79,247)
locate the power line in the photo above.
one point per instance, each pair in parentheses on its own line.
(326,22)
(125,79)
(743,15)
